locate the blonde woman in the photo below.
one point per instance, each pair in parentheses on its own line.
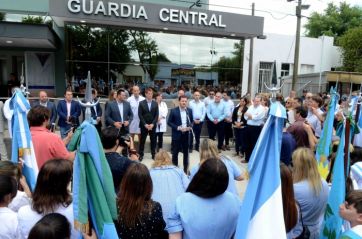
(310,190)
(208,149)
(168,181)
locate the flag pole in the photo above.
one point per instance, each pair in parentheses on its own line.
(346,146)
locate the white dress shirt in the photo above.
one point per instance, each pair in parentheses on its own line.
(69,104)
(183,118)
(120,107)
(257,114)
(198,110)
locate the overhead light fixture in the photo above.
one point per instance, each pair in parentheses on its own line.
(232,34)
(83,21)
(9,42)
(165,28)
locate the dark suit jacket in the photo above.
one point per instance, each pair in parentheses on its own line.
(93,112)
(113,115)
(52,108)
(146,116)
(174,121)
(75,111)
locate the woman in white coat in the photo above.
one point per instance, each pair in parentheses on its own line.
(161,124)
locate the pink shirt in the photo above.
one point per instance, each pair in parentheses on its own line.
(47,145)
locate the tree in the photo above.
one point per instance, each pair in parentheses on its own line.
(147,49)
(335,21)
(32,19)
(229,67)
(2,16)
(88,50)
(351,45)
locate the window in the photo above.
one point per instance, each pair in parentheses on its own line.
(306,68)
(117,57)
(285,70)
(265,71)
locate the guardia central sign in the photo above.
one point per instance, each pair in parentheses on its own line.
(156,17)
(124,10)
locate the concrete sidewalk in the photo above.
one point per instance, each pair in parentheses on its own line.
(194,158)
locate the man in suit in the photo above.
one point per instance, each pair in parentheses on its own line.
(180,120)
(96,112)
(69,111)
(119,113)
(148,114)
(43,101)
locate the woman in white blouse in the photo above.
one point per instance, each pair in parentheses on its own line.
(161,124)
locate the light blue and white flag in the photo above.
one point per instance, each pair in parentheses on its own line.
(261,215)
(332,224)
(324,144)
(353,104)
(22,145)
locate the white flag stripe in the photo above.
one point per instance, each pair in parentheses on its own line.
(268,222)
(21,104)
(24,141)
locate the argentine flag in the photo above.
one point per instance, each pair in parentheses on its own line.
(22,145)
(261,215)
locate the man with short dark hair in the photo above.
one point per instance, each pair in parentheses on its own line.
(198,112)
(180,120)
(118,163)
(69,111)
(47,145)
(148,114)
(301,130)
(119,113)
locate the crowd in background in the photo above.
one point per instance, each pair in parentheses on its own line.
(167,201)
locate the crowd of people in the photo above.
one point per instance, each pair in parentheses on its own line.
(167,201)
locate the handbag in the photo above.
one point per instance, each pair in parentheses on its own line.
(305,233)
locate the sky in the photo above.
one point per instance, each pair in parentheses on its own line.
(278,20)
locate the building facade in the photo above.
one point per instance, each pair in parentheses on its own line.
(119,42)
(316,55)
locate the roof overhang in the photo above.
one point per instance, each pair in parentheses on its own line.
(345,77)
(27,36)
(156,17)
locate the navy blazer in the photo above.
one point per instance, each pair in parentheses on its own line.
(174,121)
(75,111)
(146,116)
(113,115)
(94,112)
(51,107)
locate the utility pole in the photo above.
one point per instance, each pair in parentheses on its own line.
(251,53)
(297,43)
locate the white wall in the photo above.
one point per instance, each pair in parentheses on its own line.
(280,48)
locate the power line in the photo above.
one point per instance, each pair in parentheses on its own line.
(270,12)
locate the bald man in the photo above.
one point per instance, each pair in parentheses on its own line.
(44,101)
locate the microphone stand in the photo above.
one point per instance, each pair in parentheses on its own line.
(188,137)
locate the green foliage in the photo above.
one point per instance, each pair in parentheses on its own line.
(351,45)
(229,67)
(335,21)
(32,19)
(2,16)
(87,43)
(147,49)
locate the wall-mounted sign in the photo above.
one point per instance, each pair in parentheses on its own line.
(156,17)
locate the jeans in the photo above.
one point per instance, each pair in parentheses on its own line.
(64,131)
(240,140)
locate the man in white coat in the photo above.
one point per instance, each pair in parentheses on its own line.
(134,101)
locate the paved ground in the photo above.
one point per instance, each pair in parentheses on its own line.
(195,159)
